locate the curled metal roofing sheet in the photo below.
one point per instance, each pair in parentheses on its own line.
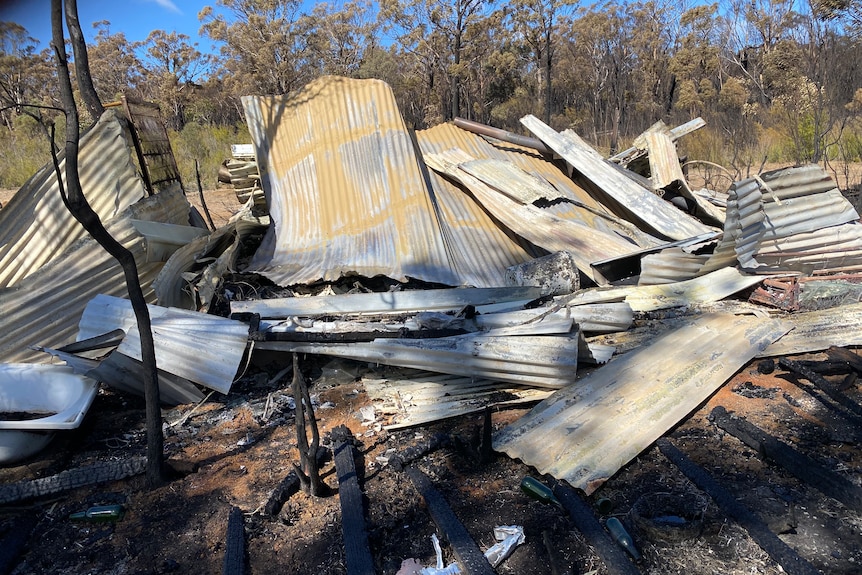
(35,226)
(200,347)
(577,204)
(587,431)
(345,188)
(832,249)
(789,211)
(670,265)
(584,243)
(44,308)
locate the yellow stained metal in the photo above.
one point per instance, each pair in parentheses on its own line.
(587,431)
(344,186)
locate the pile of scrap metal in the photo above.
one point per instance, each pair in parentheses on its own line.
(59,288)
(540,255)
(484,268)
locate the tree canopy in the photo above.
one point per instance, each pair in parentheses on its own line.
(774,79)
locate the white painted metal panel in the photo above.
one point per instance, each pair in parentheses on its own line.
(202,348)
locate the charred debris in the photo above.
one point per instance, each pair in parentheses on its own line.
(460,269)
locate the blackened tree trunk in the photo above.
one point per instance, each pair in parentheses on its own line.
(76,203)
(82,62)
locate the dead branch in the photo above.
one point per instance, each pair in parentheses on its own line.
(308,469)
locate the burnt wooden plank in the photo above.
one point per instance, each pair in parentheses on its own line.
(470,558)
(852,360)
(784,555)
(611,554)
(233,562)
(357,551)
(798,464)
(827,386)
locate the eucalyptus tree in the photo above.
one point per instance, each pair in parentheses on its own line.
(536,23)
(338,39)
(172,66)
(696,63)
(114,66)
(600,62)
(261,44)
(27,83)
(438,37)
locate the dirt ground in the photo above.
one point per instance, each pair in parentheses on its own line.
(236,449)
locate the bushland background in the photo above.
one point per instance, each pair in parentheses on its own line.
(777,81)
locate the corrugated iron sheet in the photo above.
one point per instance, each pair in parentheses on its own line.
(202,348)
(345,188)
(541,361)
(818,330)
(35,226)
(639,203)
(783,211)
(669,266)
(585,433)
(585,244)
(44,308)
(415,399)
(467,224)
(386,302)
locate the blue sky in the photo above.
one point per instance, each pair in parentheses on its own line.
(135,18)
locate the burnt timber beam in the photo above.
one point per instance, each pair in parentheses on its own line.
(470,558)
(611,554)
(356,549)
(800,465)
(783,554)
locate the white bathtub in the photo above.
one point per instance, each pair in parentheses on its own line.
(53,398)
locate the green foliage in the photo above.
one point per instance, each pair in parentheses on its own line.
(25,150)
(210,146)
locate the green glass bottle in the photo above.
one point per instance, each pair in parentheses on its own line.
(99,514)
(622,537)
(539,491)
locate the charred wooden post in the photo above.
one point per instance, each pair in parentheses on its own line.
(798,464)
(82,62)
(828,388)
(308,469)
(287,487)
(76,203)
(612,555)
(357,552)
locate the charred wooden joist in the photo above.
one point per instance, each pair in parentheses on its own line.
(784,555)
(614,558)
(357,551)
(470,558)
(798,464)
